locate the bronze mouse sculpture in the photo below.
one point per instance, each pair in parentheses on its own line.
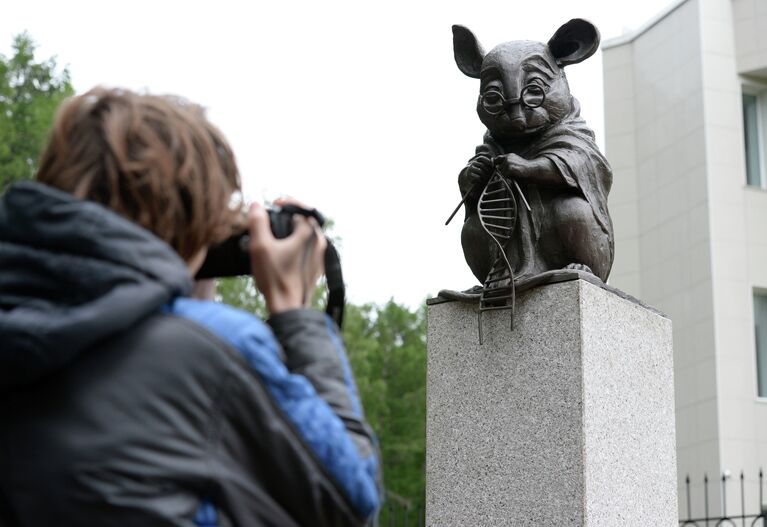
(535,193)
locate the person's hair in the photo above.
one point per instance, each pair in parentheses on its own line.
(155,160)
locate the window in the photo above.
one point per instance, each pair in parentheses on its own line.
(751,135)
(755,132)
(760,327)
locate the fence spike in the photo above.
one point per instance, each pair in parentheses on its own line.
(689,502)
(742,500)
(722,518)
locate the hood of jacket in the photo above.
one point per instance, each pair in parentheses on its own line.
(73,273)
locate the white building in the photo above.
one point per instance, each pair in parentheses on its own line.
(686,134)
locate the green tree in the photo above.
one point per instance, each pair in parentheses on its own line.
(387,350)
(30,92)
(241,292)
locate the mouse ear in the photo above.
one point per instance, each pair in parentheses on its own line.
(574,42)
(468,52)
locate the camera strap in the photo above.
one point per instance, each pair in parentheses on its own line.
(335,282)
(333,277)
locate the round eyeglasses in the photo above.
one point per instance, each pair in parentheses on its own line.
(495,103)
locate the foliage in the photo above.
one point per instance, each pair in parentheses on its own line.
(241,292)
(387,351)
(30,92)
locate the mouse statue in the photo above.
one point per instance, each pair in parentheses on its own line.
(535,193)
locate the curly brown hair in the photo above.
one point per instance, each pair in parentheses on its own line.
(155,160)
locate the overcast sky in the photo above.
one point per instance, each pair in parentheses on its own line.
(355,107)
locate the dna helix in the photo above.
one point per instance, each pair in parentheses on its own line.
(497,212)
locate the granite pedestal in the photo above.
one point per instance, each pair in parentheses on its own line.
(566,420)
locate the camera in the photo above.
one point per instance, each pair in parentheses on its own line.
(281,219)
(231,258)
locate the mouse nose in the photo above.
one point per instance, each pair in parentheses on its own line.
(518,124)
(516,117)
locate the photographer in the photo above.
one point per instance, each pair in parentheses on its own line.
(123,401)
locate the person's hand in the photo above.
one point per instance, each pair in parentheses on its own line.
(285,270)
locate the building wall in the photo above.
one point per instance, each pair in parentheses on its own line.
(750,23)
(656,142)
(691,237)
(738,217)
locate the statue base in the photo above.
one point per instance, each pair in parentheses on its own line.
(566,420)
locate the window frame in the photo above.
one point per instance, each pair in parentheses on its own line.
(757,291)
(758,89)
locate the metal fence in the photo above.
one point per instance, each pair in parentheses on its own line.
(398,512)
(757,516)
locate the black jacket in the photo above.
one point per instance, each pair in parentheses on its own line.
(124,403)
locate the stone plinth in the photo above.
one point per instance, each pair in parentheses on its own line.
(566,420)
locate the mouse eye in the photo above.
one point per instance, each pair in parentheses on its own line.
(492,101)
(533,95)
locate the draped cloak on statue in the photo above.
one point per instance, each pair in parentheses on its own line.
(570,146)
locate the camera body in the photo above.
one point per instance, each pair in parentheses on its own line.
(230,258)
(281,219)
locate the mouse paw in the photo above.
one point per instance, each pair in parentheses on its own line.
(580,267)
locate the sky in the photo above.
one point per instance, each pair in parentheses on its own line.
(354,107)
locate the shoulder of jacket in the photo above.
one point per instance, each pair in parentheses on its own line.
(239,329)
